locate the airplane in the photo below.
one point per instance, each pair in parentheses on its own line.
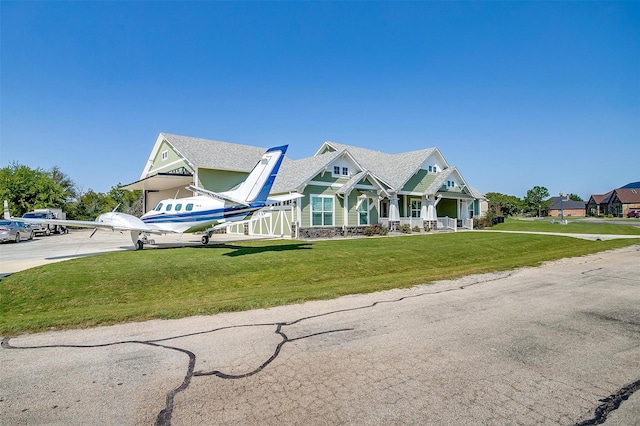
(210,210)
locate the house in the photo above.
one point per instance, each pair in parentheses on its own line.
(616,202)
(563,206)
(340,190)
(597,204)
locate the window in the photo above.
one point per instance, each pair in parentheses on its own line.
(169,207)
(363,212)
(345,171)
(430,168)
(416,205)
(321,210)
(165,155)
(178,207)
(336,170)
(435,169)
(158,207)
(189,207)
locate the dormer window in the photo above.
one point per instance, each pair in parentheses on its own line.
(430,168)
(345,171)
(336,170)
(165,155)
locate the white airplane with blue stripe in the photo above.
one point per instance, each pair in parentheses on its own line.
(192,214)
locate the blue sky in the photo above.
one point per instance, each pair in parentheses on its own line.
(514,94)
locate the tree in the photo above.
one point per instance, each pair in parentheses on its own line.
(127,201)
(575,197)
(504,205)
(27,189)
(537,200)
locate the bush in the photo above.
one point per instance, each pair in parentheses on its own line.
(377,229)
(405,229)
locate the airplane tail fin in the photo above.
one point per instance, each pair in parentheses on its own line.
(256,187)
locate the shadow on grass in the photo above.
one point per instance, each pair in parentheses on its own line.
(244,250)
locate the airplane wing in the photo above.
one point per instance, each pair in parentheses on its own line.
(114,221)
(274,199)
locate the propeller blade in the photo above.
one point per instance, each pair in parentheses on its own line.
(94,231)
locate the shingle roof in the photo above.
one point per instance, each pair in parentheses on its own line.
(628,195)
(296,173)
(209,154)
(558,202)
(393,169)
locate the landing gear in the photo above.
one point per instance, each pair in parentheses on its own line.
(205,239)
(139,245)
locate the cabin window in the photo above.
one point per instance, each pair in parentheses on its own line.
(178,207)
(165,155)
(169,207)
(189,207)
(336,170)
(158,207)
(416,205)
(345,171)
(321,210)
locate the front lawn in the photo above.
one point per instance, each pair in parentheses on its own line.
(174,283)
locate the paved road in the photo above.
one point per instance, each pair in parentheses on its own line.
(554,345)
(78,243)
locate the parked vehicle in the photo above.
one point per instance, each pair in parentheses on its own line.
(13,231)
(43,228)
(25,229)
(633,213)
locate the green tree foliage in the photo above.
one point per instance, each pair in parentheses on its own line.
(537,200)
(504,205)
(575,197)
(26,189)
(127,201)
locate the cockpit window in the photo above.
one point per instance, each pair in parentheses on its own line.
(178,207)
(189,207)
(169,207)
(158,207)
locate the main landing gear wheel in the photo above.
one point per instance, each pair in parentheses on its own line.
(139,245)
(205,239)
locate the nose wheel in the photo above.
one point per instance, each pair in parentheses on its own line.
(205,239)
(139,245)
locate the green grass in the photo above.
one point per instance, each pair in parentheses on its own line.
(573,227)
(173,283)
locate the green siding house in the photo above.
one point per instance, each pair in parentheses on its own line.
(340,190)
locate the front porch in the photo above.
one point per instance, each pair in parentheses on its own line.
(440,224)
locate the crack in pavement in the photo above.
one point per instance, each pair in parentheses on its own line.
(164,417)
(611,403)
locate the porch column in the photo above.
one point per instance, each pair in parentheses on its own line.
(394,211)
(423,207)
(432,201)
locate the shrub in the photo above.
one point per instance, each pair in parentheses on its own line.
(377,229)
(405,229)
(416,229)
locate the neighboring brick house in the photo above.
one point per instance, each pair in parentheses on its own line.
(563,206)
(616,203)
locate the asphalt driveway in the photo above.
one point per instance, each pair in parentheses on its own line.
(554,345)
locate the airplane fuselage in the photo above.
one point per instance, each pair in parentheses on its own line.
(194,214)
